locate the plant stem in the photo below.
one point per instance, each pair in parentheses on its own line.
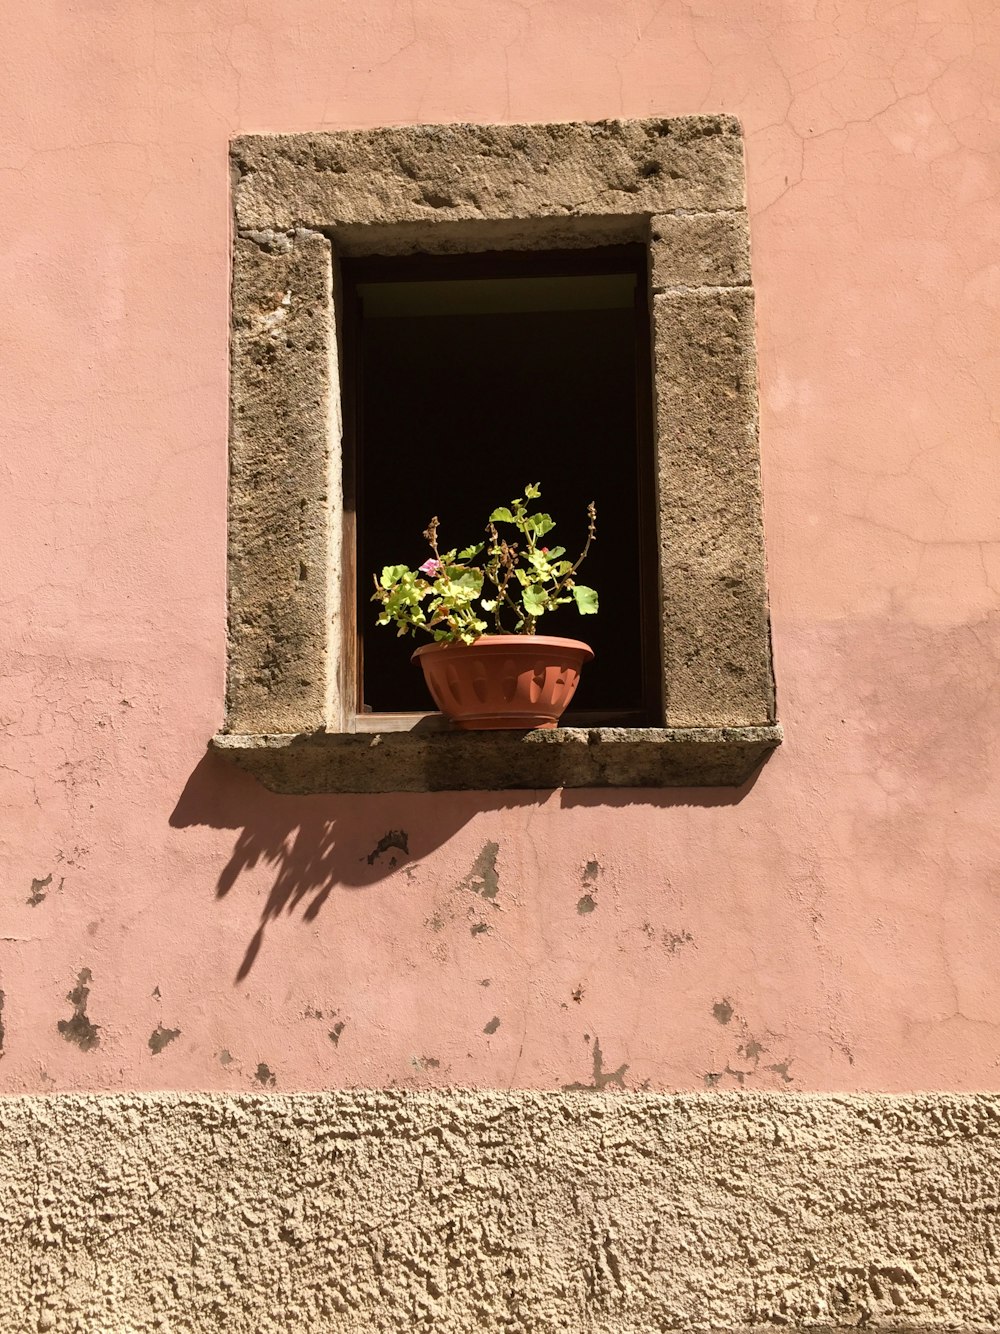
(591,535)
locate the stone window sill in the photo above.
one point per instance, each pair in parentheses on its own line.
(433,760)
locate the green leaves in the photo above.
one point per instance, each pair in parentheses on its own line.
(534,600)
(459,588)
(391,574)
(585,599)
(537,525)
(524,579)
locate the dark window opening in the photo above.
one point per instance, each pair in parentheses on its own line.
(467,377)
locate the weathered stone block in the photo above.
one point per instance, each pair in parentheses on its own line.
(415,173)
(716,646)
(443,761)
(699,250)
(281,445)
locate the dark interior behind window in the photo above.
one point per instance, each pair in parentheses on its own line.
(467,377)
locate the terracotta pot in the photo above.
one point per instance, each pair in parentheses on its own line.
(515,681)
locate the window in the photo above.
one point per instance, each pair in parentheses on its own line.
(345,242)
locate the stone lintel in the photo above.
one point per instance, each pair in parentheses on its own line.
(716,639)
(699,250)
(283,454)
(436,761)
(446,173)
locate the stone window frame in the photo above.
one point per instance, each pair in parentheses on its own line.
(303,201)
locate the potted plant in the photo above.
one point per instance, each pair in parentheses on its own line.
(487,667)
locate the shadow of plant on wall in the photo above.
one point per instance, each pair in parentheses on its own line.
(317,843)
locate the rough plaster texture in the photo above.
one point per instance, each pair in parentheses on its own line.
(566,1211)
(361,188)
(842,910)
(443,761)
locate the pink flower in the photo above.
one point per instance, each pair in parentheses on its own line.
(430,567)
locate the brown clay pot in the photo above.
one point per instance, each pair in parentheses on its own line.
(511,681)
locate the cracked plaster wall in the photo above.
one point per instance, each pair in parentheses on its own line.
(164,923)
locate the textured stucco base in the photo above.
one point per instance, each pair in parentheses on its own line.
(383,1210)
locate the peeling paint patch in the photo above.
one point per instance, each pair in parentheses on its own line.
(155,993)
(425,1063)
(38,888)
(493,1025)
(436,923)
(588,903)
(483,879)
(392,838)
(160,1038)
(675,940)
(335,1032)
(672,941)
(601,1079)
(225,1057)
(264,1075)
(79,1028)
(479,928)
(578,993)
(748,1071)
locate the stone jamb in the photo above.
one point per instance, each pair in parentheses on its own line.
(302,202)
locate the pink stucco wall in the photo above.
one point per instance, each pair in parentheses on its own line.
(836,926)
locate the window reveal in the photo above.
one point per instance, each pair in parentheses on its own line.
(474,375)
